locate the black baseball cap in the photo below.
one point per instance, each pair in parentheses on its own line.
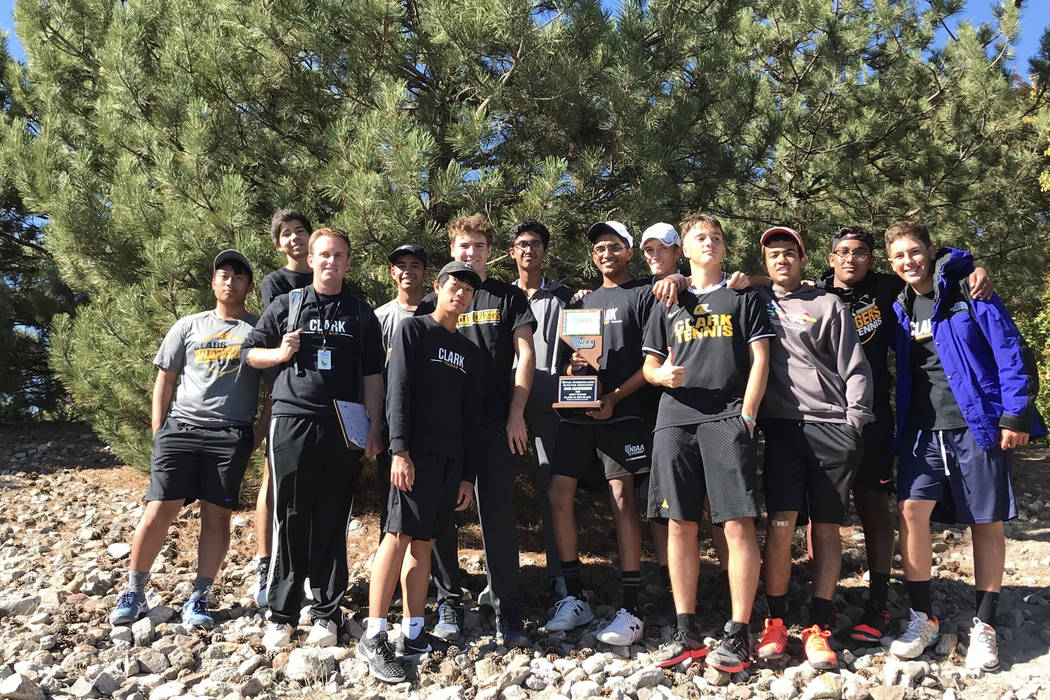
(854,233)
(408,249)
(230,255)
(461,271)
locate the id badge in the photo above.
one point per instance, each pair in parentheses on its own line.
(324,359)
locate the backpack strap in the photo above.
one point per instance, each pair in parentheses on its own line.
(295,308)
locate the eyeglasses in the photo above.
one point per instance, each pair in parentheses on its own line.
(614,248)
(858,255)
(536,245)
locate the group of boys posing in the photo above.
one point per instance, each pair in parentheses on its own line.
(691,368)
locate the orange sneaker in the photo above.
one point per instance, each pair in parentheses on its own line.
(773,639)
(818,653)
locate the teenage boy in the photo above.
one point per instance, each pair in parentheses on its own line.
(500,322)
(434,392)
(966,395)
(710,354)
(334,352)
(202,444)
(290,233)
(816,404)
(529,240)
(869,296)
(408,270)
(609,444)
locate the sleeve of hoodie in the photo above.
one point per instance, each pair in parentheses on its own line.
(399,384)
(1016,388)
(854,369)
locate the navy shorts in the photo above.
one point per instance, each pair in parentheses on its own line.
(191,462)
(969,484)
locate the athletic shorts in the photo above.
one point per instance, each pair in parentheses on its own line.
(595,453)
(969,483)
(430,506)
(809,468)
(875,472)
(190,462)
(716,459)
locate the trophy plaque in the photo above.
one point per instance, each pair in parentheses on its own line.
(582,330)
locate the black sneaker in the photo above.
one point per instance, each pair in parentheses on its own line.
(682,645)
(450,622)
(382,663)
(413,648)
(510,632)
(733,653)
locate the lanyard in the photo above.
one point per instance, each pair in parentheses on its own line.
(324,322)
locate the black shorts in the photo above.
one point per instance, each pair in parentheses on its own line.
(190,462)
(430,506)
(809,468)
(716,459)
(596,452)
(875,472)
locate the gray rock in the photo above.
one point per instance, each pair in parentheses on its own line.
(118,550)
(585,689)
(453,692)
(514,692)
(19,604)
(108,683)
(486,670)
(167,691)
(122,635)
(248,666)
(915,670)
(142,630)
(594,663)
(308,665)
(946,644)
(83,688)
(250,688)
(160,614)
(892,692)
(783,689)
(152,661)
(646,678)
(19,687)
(826,685)
(716,677)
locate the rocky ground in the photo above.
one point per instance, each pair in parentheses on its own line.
(70,509)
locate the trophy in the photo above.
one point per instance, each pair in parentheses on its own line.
(582,330)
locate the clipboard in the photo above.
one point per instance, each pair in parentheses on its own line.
(353,421)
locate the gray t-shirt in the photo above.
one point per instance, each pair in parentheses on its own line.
(390,315)
(216,389)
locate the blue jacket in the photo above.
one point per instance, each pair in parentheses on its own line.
(981,351)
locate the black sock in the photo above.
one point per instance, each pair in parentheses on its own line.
(685,622)
(919,596)
(264,568)
(665,576)
(571,571)
(821,612)
(632,584)
(878,588)
(778,605)
(735,629)
(987,602)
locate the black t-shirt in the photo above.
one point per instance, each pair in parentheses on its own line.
(871,304)
(933,406)
(435,386)
(627,310)
(283,281)
(343,325)
(498,309)
(709,332)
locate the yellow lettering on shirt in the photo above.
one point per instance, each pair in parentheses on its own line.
(475,317)
(707,326)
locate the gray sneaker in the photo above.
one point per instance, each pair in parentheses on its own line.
(450,622)
(130,607)
(383,664)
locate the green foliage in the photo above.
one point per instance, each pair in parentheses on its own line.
(159,131)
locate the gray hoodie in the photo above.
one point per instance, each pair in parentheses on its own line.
(817,369)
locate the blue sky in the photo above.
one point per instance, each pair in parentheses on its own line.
(1034,19)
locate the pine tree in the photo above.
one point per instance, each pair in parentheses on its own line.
(160,131)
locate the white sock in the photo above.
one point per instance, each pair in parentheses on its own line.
(374,625)
(415,626)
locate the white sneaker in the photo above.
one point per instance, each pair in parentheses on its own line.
(323,633)
(277,636)
(308,591)
(623,631)
(921,633)
(569,613)
(983,652)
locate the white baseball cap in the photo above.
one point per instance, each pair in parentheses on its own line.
(613,227)
(663,232)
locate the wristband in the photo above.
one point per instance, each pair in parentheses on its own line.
(747,418)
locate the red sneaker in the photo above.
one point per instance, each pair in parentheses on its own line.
(818,653)
(773,639)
